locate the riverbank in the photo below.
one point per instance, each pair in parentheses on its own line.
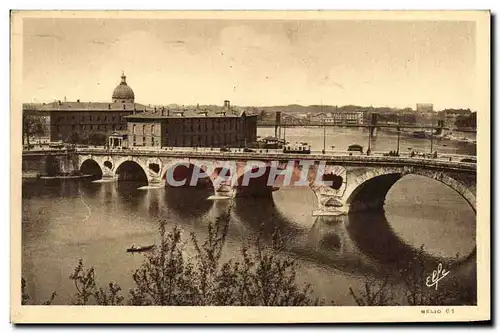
(37,175)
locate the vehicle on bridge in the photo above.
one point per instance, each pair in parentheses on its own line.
(57,145)
(420,134)
(355,147)
(297,148)
(269,142)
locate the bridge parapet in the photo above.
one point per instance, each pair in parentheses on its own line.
(339,159)
(348,183)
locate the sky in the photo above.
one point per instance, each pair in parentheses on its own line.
(252,62)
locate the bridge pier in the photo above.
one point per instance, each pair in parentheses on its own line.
(330,205)
(223,192)
(106,179)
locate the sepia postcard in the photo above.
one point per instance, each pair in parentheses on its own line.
(250,166)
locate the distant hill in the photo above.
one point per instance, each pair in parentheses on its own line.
(315,109)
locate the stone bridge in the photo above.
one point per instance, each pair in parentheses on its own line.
(342,184)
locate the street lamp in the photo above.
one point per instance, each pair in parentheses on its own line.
(399,130)
(284,131)
(324,136)
(432,137)
(369,139)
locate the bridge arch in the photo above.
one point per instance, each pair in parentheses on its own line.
(371,188)
(91,167)
(258,186)
(183,171)
(130,170)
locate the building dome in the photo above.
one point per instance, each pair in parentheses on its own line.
(123,93)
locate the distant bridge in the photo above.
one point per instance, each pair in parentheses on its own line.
(357,183)
(378,125)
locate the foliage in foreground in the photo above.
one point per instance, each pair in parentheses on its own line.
(264,276)
(25,298)
(167,276)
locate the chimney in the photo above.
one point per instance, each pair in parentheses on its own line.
(168,112)
(227,104)
(78,100)
(155,110)
(109,106)
(163,111)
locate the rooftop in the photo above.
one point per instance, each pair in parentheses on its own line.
(84,106)
(187,113)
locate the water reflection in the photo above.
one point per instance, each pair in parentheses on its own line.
(261,214)
(128,193)
(347,248)
(188,202)
(328,243)
(375,237)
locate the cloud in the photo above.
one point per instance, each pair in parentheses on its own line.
(103,42)
(337,84)
(174,42)
(49,36)
(94,41)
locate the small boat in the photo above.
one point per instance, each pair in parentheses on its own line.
(135,248)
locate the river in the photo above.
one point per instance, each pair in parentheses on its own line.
(63,221)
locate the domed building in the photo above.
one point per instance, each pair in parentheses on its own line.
(123,93)
(82,122)
(122,122)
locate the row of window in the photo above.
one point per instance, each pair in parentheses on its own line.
(205,127)
(134,130)
(84,127)
(187,127)
(203,141)
(197,140)
(153,141)
(62,119)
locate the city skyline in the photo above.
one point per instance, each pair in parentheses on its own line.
(252,62)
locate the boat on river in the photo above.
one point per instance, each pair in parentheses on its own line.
(138,248)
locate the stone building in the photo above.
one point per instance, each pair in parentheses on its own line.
(425,107)
(124,122)
(339,118)
(199,127)
(78,121)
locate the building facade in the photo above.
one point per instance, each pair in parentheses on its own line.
(340,118)
(450,116)
(217,127)
(140,125)
(425,107)
(79,122)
